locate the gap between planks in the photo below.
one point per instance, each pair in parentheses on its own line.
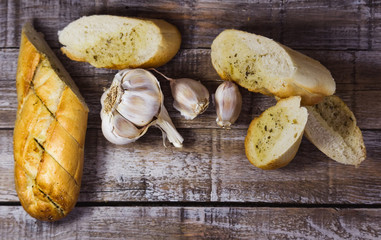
(214,204)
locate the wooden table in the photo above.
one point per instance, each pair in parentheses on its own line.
(209,189)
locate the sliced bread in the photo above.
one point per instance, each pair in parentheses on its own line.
(120,42)
(332,128)
(263,65)
(274,137)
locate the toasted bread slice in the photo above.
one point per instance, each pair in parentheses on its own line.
(120,42)
(263,65)
(332,128)
(274,137)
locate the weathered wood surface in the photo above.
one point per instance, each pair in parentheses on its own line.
(300,24)
(196,223)
(357,74)
(212,167)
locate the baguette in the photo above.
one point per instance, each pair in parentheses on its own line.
(49,133)
(274,137)
(120,42)
(332,128)
(263,65)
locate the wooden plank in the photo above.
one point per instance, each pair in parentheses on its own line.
(308,24)
(375,25)
(212,166)
(368,69)
(196,63)
(254,104)
(53,16)
(92,90)
(260,17)
(195,223)
(356,74)
(326,24)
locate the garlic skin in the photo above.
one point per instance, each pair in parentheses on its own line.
(131,105)
(228,104)
(191,97)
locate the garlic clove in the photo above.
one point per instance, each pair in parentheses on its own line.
(124,128)
(138,80)
(228,104)
(139,107)
(191,97)
(111,132)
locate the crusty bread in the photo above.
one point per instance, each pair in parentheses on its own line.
(120,42)
(263,65)
(332,128)
(274,137)
(49,132)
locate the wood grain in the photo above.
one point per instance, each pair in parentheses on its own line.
(212,167)
(213,191)
(196,63)
(356,74)
(195,223)
(327,19)
(255,104)
(312,25)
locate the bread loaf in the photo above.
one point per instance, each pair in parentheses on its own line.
(263,65)
(332,128)
(274,137)
(49,133)
(120,42)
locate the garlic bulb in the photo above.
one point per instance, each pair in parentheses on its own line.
(131,105)
(228,104)
(191,97)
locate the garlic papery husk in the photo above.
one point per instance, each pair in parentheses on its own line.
(131,105)
(191,97)
(228,101)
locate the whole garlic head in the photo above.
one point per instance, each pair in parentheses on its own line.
(131,105)
(228,104)
(191,97)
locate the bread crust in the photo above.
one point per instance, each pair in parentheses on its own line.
(168,44)
(49,132)
(306,77)
(275,163)
(343,142)
(282,156)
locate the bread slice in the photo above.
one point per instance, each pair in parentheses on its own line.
(120,42)
(263,65)
(274,137)
(332,128)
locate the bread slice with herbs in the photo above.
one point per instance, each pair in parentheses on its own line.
(115,42)
(332,128)
(263,65)
(274,137)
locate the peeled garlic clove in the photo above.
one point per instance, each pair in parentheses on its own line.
(191,98)
(228,104)
(131,105)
